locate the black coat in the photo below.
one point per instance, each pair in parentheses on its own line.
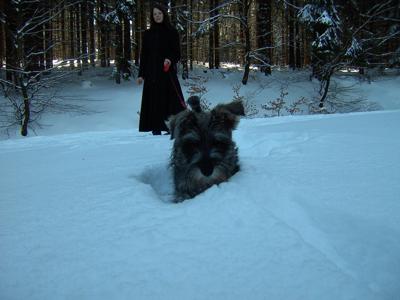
(162,94)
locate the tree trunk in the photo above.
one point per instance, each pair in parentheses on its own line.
(211,34)
(26,108)
(183,34)
(84,29)
(92,42)
(11,42)
(136,34)
(127,43)
(108,47)
(33,57)
(216,37)
(118,50)
(78,37)
(298,37)
(2,38)
(101,33)
(284,58)
(325,83)
(299,61)
(264,34)
(291,35)
(63,37)
(190,38)
(246,6)
(71,37)
(173,11)
(48,41)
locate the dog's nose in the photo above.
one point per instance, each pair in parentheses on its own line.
(206,167)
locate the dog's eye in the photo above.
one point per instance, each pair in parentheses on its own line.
(221,145)
(190,147)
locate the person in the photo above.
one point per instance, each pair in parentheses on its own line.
(162,94)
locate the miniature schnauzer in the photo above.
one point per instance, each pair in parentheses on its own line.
(203,153)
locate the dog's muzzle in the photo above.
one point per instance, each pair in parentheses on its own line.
(206,167)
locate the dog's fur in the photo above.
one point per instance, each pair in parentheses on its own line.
(203,153)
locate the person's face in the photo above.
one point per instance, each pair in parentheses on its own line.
(158,15)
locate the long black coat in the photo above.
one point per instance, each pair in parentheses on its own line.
(162,94)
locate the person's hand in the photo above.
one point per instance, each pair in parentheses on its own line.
(139,80)
(167,64)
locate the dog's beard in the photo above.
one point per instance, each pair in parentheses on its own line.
(196,171)
(207,176)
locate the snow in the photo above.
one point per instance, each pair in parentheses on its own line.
(354,49)
(86,211)
(325,19)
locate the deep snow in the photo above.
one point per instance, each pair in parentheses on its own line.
(86,212)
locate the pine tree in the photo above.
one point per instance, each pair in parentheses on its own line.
(324,22)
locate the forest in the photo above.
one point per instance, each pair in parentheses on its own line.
(41,42)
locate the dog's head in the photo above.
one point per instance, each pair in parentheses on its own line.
(224,117)
(204,153)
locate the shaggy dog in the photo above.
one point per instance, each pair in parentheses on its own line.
(203,152)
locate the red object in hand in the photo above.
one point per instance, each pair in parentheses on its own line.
(166,67)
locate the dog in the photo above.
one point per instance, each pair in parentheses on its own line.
(203,152)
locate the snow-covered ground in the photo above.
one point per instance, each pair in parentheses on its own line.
(86,211)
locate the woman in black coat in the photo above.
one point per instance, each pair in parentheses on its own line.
(162,93)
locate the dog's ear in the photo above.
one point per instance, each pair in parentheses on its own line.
(194,103)
(227,115)
(235,107)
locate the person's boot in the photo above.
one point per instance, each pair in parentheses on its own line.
(156,132)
